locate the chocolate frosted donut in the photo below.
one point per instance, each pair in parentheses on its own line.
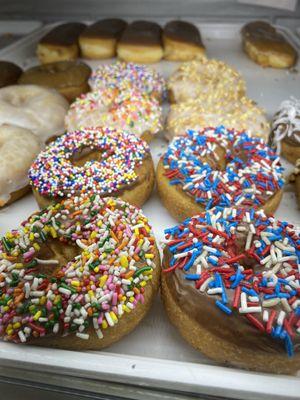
(266,46)
(9,73)
(182,41)
(99,40)
(61,43)
(230,284)
(141,43)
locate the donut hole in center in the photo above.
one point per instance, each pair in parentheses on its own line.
(86,154)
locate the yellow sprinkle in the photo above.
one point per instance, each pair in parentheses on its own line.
(9,235)
(75,283)
(149,255)
(9,332)
(93,235)
(143,283)
(19,265)
(124,261)
(113,316)
(53,232)
(96,269)
(31,237)
(99,223)
(131,299)
(136,231)
(104,324)
(36,247)
(37,315)
(43,300)
(16,325)
(102,280)
(91,293)
(5,308)
(126,309)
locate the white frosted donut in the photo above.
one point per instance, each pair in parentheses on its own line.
(33,107)
(18,148)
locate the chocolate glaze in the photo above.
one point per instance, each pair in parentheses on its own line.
(9,73)
(64,35)
(183,32)
(266,36)
(110,28)
(142,33)
(201,308)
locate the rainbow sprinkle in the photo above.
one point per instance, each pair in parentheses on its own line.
(251,176)
(247,262)
(54,175)
(115,259)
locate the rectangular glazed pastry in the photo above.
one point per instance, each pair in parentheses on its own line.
(266,46)
(61,43)
(99,40)
(141,43)
(182,41)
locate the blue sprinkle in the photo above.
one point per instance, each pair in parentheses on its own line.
(224,308)
(192,277)
(289,345)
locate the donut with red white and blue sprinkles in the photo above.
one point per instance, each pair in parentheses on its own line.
(127,110)
(80,274)
(102,161)
(124,75)
(231,285)
(218,167)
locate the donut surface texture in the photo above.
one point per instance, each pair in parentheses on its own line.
(69,78)
(205,79)
(241,114)
(100,161)
(123,75)
(18,149)
(230,284)
(128,110)
(35,108)
(77,275)
(285,136)
(9,73)
(218,167)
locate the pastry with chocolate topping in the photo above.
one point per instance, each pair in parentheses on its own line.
(266,46)
(230,284)
(182,41)
(61,43)
(285,135)
(9,73)
(141,43)
(99,40)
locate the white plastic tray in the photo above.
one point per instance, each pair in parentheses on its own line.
(10,31)
(154,355)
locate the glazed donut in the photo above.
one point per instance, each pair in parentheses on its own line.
(100,161)
(266,46)
(218,167)
(18,148)
(35,108)
(123,75)
(205,79)
(77,275)
(69,78)
(241,114)
(9,73)
(285,135)
(127,110)
(230,284)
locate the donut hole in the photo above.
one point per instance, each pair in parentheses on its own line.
(86,154)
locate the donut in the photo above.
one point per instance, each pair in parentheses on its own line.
(230,284)
(18,149)
(266,46)
(9,73)
(141,43)
(77,275)
(241,114)
(102,161)
(218,167)
(285,135)
(60,43)
(126,110)
(182,41)
(35,108)
(202,79)
(123,75)
(295,178)
(99,40)
(69,78)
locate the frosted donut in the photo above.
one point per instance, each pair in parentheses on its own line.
(124,75)
(18,148)
(218,167)
(77,275)
(204,80)
(100,161)
(241,114)
(230,284)
(35,108)
(285,136)
(127,110)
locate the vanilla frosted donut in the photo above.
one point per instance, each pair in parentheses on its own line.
(33,107)
(123,75)
(127,110)
(204,80)
(241,114)
(18,148)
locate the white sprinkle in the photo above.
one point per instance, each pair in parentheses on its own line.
(271,302)
(22,336)
(84,336)
(214,291)
(99,333)
(281,317)
(205,284)
(250,310)
(285,305)
(67,292)
(109,319)
(266,316)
